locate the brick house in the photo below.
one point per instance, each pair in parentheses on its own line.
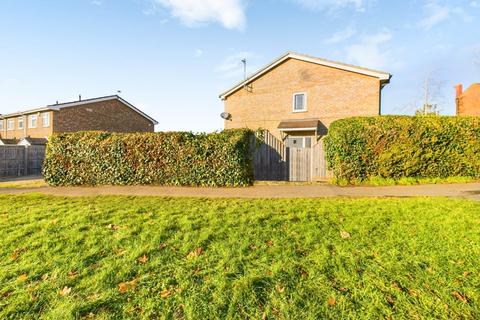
(468,101)
(297,97)
(111,113)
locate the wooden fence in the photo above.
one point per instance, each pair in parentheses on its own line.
(273,161)
(18,161)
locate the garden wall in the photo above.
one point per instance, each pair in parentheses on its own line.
(401,146)
(173,158)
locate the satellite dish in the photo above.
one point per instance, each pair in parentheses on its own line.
(225,115)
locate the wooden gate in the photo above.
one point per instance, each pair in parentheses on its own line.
(273,161)
(21,160)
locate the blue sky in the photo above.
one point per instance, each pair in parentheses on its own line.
(172,58)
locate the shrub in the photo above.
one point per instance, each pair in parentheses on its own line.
(398,147)
(174,158)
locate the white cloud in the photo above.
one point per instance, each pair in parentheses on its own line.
(232,66)
(368,52)
(341,35)
(434,14)
(359,5)
(230,13)
(475,4)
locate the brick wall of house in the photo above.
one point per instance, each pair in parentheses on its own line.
(332,94)
(40,131)
(110,115)
(468,103)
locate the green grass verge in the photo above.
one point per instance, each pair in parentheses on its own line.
(377,181)
(155,258)
(23,184)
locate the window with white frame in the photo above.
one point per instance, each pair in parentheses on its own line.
(32,121)
(20,123)
(1,124)
(299,102)
(46,119)
(10,124)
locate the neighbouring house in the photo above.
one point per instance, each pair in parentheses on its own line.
(111,113)
(468,101)
(297,97)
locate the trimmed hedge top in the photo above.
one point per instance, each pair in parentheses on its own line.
(402,146)
(173,158)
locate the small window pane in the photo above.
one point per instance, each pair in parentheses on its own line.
(46,119)
(308,142)
(10,124)
(32,121)
(299,102)
(1,124)
(20,123)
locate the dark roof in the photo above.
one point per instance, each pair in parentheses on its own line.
(36,141)
(8,141)
(299,124)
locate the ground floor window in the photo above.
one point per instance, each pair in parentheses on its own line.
(298,142)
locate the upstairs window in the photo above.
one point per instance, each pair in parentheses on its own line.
(10,124)
(1,124)
(32,121)
(299,102)
(20,123)
(46,119)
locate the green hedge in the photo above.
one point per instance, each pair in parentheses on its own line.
(396,147)
(176,158)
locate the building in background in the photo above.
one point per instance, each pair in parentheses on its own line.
(297,97)
(111,113)
(468,101)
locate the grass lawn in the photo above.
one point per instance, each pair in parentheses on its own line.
(147,257)
(22,184)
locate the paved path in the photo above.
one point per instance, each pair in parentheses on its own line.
(468,191)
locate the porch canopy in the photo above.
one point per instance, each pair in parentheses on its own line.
(300,125)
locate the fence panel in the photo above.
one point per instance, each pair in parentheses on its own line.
(273,161)
(17,161)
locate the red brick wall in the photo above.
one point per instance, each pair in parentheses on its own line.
(468,104)
(331,94)
(110,115)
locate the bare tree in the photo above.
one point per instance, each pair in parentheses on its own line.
(432,90)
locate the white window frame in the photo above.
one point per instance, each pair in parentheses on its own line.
(305,102)
(45,115)
(304,140)
(21,121)
(2,124)
(10,124)
(30,118)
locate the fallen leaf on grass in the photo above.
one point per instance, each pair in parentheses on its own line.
(345,234)
(390,300)
(136,309)
(331,301)
(124,287)
(113,227)
(460,296)
(280,289)
(269,243)
(45,277)
(72,274)
(162,246)
(412,293)
(22,277)
(17,252)
(195,253)
(466,273)
(252,247)
(165,293)
(143,259)
(65,291)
